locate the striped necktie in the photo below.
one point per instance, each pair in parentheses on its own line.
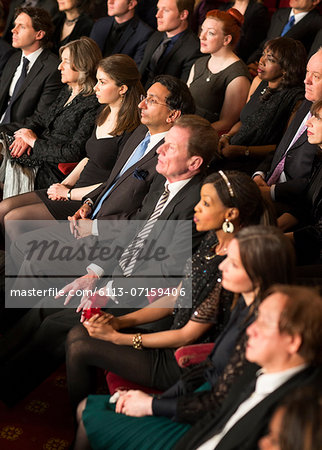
(132,252)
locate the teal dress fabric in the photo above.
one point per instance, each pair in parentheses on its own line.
(107,430)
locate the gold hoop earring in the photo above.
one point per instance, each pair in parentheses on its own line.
(228,227)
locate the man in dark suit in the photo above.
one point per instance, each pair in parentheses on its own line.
(301,21)
(173,48)
(188,148)
(285,341)
(30,80)
(284,174)
(122,31)
(130,180)
(49,5)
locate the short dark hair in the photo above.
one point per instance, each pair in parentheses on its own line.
(203,139)
(291,56)
(301,418)
(187,5)
(180,97)
(40,20)
(302,314)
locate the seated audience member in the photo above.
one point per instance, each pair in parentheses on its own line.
(254,28)
(121,31)
(307,237)
(219,83)
(317,43)
(296,423)
(60,135)
(284,174)
(122,194)
(30,80)
(119,88)
(189,146)
(6,51)
(49,6)
(174,47)
(300,21)
(274,94)
(229,198)
(244,270)
(72,23)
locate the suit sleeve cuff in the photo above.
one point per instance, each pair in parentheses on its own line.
(165,407)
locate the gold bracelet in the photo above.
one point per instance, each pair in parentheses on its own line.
(137,341)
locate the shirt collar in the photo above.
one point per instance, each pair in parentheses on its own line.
(32,56)
(269,382)
(175,187)
(298,16)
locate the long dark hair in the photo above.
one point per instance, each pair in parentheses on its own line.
(123,71)
(267,256)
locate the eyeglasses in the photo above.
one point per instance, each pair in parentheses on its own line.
(151,101)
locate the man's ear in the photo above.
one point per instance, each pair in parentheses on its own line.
(132,4)
(294,343)
(173,116)
(195,163)
(184,14)
(40,35)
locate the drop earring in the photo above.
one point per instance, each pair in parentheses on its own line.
(228,227)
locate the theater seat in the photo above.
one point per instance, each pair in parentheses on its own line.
(66,168)
(185,356)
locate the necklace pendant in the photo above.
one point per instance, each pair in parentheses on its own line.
(208,78)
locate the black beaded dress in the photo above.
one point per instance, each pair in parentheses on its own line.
(158,366)
(102,154)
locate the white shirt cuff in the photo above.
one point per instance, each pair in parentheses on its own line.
(96,269)
(272,191)
(262,174)
(94,228)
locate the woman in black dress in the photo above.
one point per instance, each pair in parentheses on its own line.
(71,23)
(46,139)
(119,88)
(274,94)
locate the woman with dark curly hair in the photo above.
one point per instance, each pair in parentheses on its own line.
(274,94)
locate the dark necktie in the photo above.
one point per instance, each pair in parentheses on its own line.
(21,79)
(158,53)
(131,253)
(288,26)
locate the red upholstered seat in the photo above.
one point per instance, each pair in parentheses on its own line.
(192,354)
(114,383)
(66,168)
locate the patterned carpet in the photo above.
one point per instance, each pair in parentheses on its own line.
(42,421)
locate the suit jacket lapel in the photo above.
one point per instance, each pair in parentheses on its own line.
(37,66)
(126,36)
(13,67)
